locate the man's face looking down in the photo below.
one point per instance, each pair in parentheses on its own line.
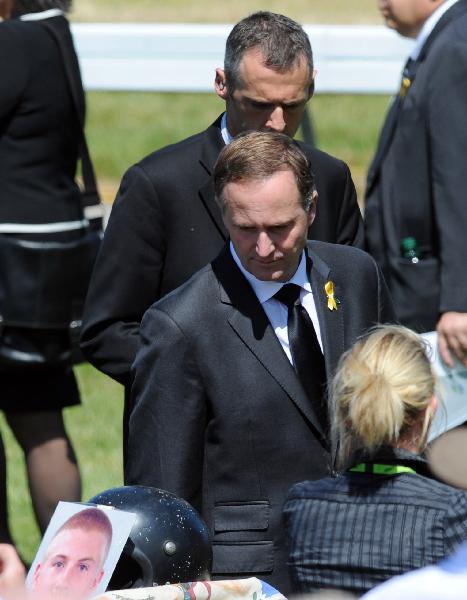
(267,224)
(407,16)
(264,98)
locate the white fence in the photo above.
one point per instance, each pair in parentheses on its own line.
(182,58)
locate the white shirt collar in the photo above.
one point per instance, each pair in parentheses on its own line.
(224,131)
(45,14)
(265,290)
(428,27)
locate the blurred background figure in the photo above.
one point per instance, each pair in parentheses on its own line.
(415,208)
(446,456)
(447,580)
(384,514)
(40,206)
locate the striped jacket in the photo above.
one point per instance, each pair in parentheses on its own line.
(356,530)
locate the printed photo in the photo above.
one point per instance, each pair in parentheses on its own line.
(79,551)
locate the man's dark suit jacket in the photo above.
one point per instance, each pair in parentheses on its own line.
(354,531)
(416,185)
(220,417)
(165,225)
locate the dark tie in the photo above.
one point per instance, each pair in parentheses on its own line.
(306,353)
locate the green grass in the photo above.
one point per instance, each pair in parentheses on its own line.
(123,127)
(222,11)
(95,430)
(348,127)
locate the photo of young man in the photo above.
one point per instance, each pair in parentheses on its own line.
(73,564)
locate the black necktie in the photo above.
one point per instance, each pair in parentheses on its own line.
(306,353)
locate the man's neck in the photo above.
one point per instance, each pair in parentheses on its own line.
(264,290)
(427,27)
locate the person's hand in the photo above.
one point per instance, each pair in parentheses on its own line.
(12,573)
(452,337)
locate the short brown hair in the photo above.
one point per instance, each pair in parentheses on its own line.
(90,519)
(257,155)
(281,41)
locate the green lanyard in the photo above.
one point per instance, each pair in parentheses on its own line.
(381,469)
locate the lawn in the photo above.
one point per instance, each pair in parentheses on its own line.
(221,11)
(95,429)
(122,128)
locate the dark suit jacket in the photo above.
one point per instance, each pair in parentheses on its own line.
(416,187)
(39,128)
(354,531)
(220,417)
(165,225)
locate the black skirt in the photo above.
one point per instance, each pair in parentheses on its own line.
(29,388)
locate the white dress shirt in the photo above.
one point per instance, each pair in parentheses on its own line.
(224,131)
(428,27)
(45,14)
(277,312)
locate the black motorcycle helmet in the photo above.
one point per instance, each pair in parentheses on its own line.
(169,541)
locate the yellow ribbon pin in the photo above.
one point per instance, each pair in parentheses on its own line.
(329,289)
(406,83)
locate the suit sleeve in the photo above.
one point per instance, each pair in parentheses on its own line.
(167,425)
(126,277)
(338,218)
(447,99)
(350,224)
(386,313)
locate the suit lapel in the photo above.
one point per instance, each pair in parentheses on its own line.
(331,322)
(212,145)
(249,321)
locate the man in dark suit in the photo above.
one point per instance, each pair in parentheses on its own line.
(416,208)
(221,416)
(165,224)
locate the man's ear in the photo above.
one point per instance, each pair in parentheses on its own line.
(311,89)
(36,573)
(98,578)
(312,210)
(220,84)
